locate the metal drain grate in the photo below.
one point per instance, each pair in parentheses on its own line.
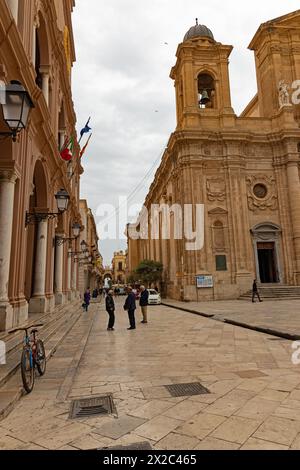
(186,390)
(86,407)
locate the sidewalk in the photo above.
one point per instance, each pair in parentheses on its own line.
(279,318)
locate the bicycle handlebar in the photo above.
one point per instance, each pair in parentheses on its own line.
(26,328)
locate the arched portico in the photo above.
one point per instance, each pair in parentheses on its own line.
(266,244)
(37,243)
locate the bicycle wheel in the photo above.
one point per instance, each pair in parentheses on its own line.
(27,370)
(40,357)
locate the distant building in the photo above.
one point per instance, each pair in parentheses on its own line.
(119,267)
(90,261)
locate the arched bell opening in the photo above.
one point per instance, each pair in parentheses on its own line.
(206,91)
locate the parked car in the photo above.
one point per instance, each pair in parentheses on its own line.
(122,290)
(154,297)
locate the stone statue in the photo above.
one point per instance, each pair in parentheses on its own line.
(284,96)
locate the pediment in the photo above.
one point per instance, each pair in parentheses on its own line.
(218,211)
(291,19)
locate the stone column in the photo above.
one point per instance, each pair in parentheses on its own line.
(69,285)
(34,44)
(74,279)
(7,190)
(14,8)
(38,303)
(45,83)
(294,197)
(59,262)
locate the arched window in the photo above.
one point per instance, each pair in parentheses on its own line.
(206,91)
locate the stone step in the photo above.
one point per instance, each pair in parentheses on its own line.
(275,293)
(12,389)
(14,348)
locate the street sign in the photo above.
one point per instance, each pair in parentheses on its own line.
(205,282)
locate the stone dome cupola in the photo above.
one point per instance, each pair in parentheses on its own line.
(199,30)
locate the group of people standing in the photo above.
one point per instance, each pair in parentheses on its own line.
(129,306)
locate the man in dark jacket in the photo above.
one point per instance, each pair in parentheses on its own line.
(130,306)
(144,303)
(110,308)
(255,291)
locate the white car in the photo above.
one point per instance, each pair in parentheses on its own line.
(154,297)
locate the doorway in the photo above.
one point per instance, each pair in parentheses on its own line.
(267,263)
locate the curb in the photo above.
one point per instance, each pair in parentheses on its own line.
(268,331)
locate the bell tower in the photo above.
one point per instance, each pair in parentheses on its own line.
(201,79)
(277,55)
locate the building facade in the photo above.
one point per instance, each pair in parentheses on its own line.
(241,173)
(90,261)
(36,273)
(119,267)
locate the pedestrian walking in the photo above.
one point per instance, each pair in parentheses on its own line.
(130,306)
(255,291)
(110,308)
(87,299)
(144,300)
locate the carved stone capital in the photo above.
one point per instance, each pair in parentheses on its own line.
(8,176)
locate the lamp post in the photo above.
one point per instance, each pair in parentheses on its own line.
(62,200)
(76,228)
(16,106)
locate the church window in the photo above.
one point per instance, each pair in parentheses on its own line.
(260,191)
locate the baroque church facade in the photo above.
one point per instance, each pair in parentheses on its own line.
(243,169)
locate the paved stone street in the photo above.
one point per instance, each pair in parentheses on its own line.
(255,389)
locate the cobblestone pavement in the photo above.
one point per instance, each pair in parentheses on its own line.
(281,315)
(255,389)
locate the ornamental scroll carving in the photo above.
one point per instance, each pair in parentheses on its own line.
(262,194)
(216,189)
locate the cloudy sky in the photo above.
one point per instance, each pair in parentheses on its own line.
(121,79)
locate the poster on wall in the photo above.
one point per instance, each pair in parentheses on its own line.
(205,282)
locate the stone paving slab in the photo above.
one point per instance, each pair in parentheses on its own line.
(254,398)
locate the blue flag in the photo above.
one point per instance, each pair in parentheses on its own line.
(86,129)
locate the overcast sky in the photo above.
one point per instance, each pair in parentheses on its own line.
(121,79)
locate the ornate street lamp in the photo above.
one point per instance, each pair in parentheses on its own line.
(62,200)
(76,228)
(16,107)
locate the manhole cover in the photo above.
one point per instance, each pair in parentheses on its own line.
(186,390)
(136,446)
(86,407)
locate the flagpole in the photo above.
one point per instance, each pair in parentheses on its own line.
(83,134)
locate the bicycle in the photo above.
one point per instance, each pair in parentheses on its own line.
(33,355)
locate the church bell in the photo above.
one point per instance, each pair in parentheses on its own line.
(204,98)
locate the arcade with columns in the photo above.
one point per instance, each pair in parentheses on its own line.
(37,238)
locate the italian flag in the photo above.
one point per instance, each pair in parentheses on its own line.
(67,150)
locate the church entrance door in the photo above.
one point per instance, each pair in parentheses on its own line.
(267,263)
